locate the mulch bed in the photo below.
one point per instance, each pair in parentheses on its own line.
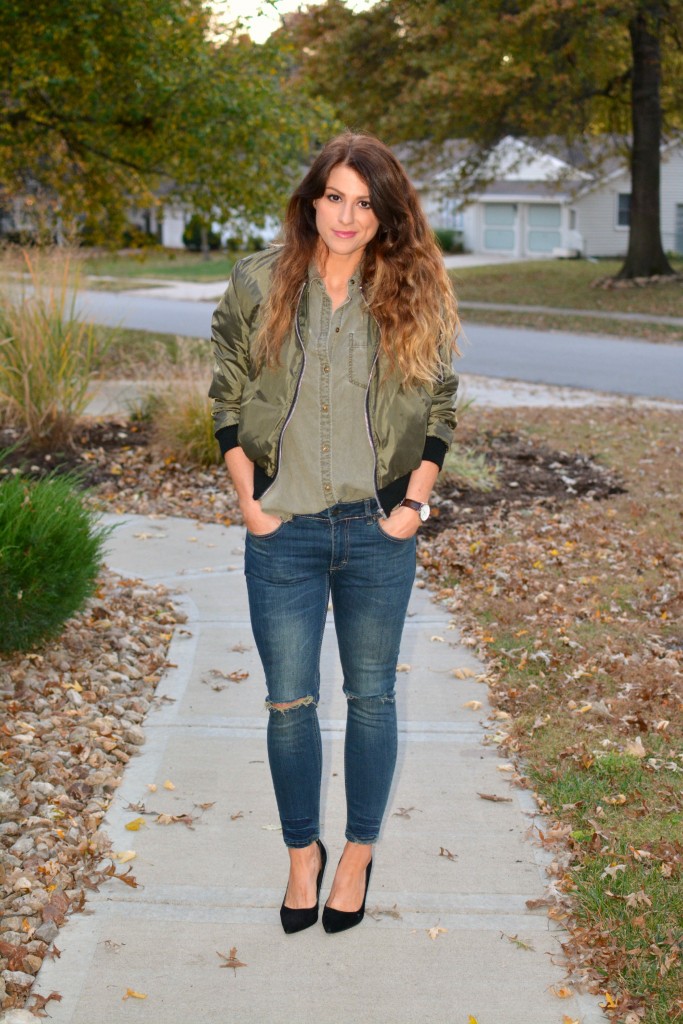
(119,460)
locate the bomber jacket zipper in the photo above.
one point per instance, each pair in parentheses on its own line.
(367,404)
(296,391)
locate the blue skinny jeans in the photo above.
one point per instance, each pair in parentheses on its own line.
(291,573)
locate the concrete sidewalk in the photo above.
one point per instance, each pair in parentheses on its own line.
(205,890)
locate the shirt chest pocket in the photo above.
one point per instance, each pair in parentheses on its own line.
(359,359)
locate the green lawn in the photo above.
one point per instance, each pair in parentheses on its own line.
(181,266)
(566,284)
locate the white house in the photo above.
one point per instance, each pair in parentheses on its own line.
(537,205)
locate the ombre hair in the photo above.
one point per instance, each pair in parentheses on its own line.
(404,280)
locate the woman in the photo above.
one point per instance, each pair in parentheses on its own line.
(334,406)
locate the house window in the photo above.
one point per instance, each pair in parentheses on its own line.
(500,221)
(624,210)
(544,228)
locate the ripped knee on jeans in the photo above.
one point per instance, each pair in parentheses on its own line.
(300,702)
(380,698)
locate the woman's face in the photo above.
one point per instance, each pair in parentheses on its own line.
(343,215)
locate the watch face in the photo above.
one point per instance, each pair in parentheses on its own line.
(424,513)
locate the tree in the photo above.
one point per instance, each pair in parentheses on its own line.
(584,72)
(103,105)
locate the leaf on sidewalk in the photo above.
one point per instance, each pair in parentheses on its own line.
(443,852)
(238,675)
(134,825)
(494,798)
(561,991)
(473,705)
(434,932)
(516,941)
(132,994)
(175,819)
(231,960)
(463,673)
(404,667)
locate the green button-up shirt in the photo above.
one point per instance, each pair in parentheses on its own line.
(329,414)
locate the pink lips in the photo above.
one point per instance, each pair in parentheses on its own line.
(345,234)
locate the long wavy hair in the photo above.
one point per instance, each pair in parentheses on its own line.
(404,280)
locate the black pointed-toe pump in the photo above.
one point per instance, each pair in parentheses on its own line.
(341,920)
(294,920)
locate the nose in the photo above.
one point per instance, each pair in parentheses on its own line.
(346,214)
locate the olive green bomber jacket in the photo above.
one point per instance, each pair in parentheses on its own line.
(252,407)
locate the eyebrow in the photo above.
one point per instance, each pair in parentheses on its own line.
(340,192)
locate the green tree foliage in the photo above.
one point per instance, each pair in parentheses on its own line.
(103,104)
(575,70)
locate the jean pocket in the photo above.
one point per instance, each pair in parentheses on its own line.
(393,540)
(359,366)
(266,536)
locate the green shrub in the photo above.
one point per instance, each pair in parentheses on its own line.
(192,235)
(50,555)
(450,241)
(48,353)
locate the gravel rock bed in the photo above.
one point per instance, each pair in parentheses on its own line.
(71,716)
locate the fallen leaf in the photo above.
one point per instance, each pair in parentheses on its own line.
(403,812)
(494,798)
(125,855)
(238,675)
(610,1002)
(231,960)
(238,814)
(392,912)
(612,870)
(174,819)
(134,825)
(635,748)
(206,806)
(472,1020)
(561,991)
(152,787)
(516,941)
(168,784)
(434,932)
(463,673)
(42,1001)
(437,640)
(443,852)
(132,994)
(569,1020)
(241,648)
(403,667)
(126,878)
(473,705)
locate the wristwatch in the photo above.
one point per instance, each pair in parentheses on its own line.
(422,509)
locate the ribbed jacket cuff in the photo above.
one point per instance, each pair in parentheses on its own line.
(227,438)
(434,450)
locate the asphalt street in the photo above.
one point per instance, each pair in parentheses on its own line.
(597,363)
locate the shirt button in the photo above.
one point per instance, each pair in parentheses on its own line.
(326,447)
(336,330)
(328,487)
(326,369)
(325,408)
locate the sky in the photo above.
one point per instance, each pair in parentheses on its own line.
(262,24)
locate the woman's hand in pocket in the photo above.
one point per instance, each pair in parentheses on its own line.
(259,522)
(401,524)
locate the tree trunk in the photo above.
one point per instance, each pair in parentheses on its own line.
(204,242)
(645,255)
